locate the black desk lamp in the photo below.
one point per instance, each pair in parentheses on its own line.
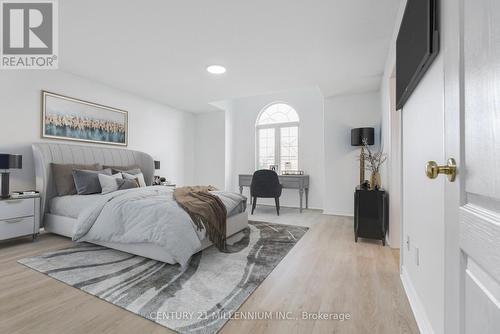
(9,161)
(357,137)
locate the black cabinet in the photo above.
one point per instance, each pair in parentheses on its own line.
(371,214)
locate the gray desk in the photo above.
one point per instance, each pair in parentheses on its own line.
(300,182)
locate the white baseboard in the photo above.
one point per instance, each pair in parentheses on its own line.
(338,213)
(388,242)
(423,323)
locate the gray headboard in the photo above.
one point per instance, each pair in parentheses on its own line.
(46,153)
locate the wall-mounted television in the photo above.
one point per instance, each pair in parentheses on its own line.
(417,46)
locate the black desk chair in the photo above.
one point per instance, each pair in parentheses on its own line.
(265,184)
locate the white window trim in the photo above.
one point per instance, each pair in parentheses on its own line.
(277,142)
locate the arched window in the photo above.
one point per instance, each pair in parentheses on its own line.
(277,133)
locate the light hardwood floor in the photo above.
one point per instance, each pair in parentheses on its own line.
(325,272)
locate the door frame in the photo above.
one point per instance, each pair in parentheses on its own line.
(452,47)
(394,165)
(394,151)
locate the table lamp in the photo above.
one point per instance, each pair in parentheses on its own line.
(357,137)
(8,161)
(156,177)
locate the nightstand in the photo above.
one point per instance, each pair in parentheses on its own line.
(19,217)
(371,214)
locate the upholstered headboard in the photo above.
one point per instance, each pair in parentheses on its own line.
(46,153)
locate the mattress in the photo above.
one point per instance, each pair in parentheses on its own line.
(64,226)
(72,205)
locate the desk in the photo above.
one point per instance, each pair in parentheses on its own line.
(300,182)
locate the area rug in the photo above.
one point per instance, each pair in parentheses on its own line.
(197,298)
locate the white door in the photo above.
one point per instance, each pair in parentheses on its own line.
(480,213)
(472,204)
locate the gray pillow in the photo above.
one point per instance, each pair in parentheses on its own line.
(135,174)
(87,181)
(115,182)
(63,177)
(109,183)
(127,184)
(133,171)
(119,169)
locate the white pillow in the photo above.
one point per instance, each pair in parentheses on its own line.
(108,183)
(138,176)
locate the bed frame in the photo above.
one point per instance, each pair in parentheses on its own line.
(46,153)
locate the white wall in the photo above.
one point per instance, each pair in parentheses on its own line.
(228,146)
(422,200)
(163,132)
(241,115)
(210,149)
(391,177)
(391,143)
(393,167)
(342,113)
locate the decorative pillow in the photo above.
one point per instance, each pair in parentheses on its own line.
(135,174)
(63,177)
(119,169)
(115,182)
(109,183)
(128,171)
(87,181)
(128,184)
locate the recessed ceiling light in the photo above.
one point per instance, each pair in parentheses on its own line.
(216,69)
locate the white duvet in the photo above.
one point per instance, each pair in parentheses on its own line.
(146,215)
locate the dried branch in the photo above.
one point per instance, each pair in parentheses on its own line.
(375,160)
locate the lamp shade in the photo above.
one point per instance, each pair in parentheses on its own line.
(4,161)
(358,134)
(157,164)
(16,161)
(11,161)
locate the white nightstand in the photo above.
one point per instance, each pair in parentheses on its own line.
(19,217)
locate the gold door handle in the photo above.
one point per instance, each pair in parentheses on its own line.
(432,170)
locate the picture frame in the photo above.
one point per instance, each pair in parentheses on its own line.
(68,118)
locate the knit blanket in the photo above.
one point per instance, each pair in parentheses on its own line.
(206,210)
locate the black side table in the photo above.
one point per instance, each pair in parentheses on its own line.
(371,214)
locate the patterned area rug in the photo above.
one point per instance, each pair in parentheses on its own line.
(199,298)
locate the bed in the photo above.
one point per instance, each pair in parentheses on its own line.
(60,214)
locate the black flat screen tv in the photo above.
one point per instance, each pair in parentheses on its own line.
(417,46)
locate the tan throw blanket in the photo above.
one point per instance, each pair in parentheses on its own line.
(205,209)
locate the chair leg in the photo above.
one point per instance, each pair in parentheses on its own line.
(254,203)
(277,201)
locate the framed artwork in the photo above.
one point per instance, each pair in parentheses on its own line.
(73,119)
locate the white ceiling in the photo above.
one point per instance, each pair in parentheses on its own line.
(159,49)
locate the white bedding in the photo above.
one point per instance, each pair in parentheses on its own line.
(140,215)
(72,205)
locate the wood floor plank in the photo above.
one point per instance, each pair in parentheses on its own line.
(325,272)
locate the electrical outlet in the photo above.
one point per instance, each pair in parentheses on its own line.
(417,256)
(408,242)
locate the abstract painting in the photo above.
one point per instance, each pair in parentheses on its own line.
(73,119)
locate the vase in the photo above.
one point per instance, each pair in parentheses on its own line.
(375,181)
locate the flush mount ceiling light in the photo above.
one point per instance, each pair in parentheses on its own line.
(216,69)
